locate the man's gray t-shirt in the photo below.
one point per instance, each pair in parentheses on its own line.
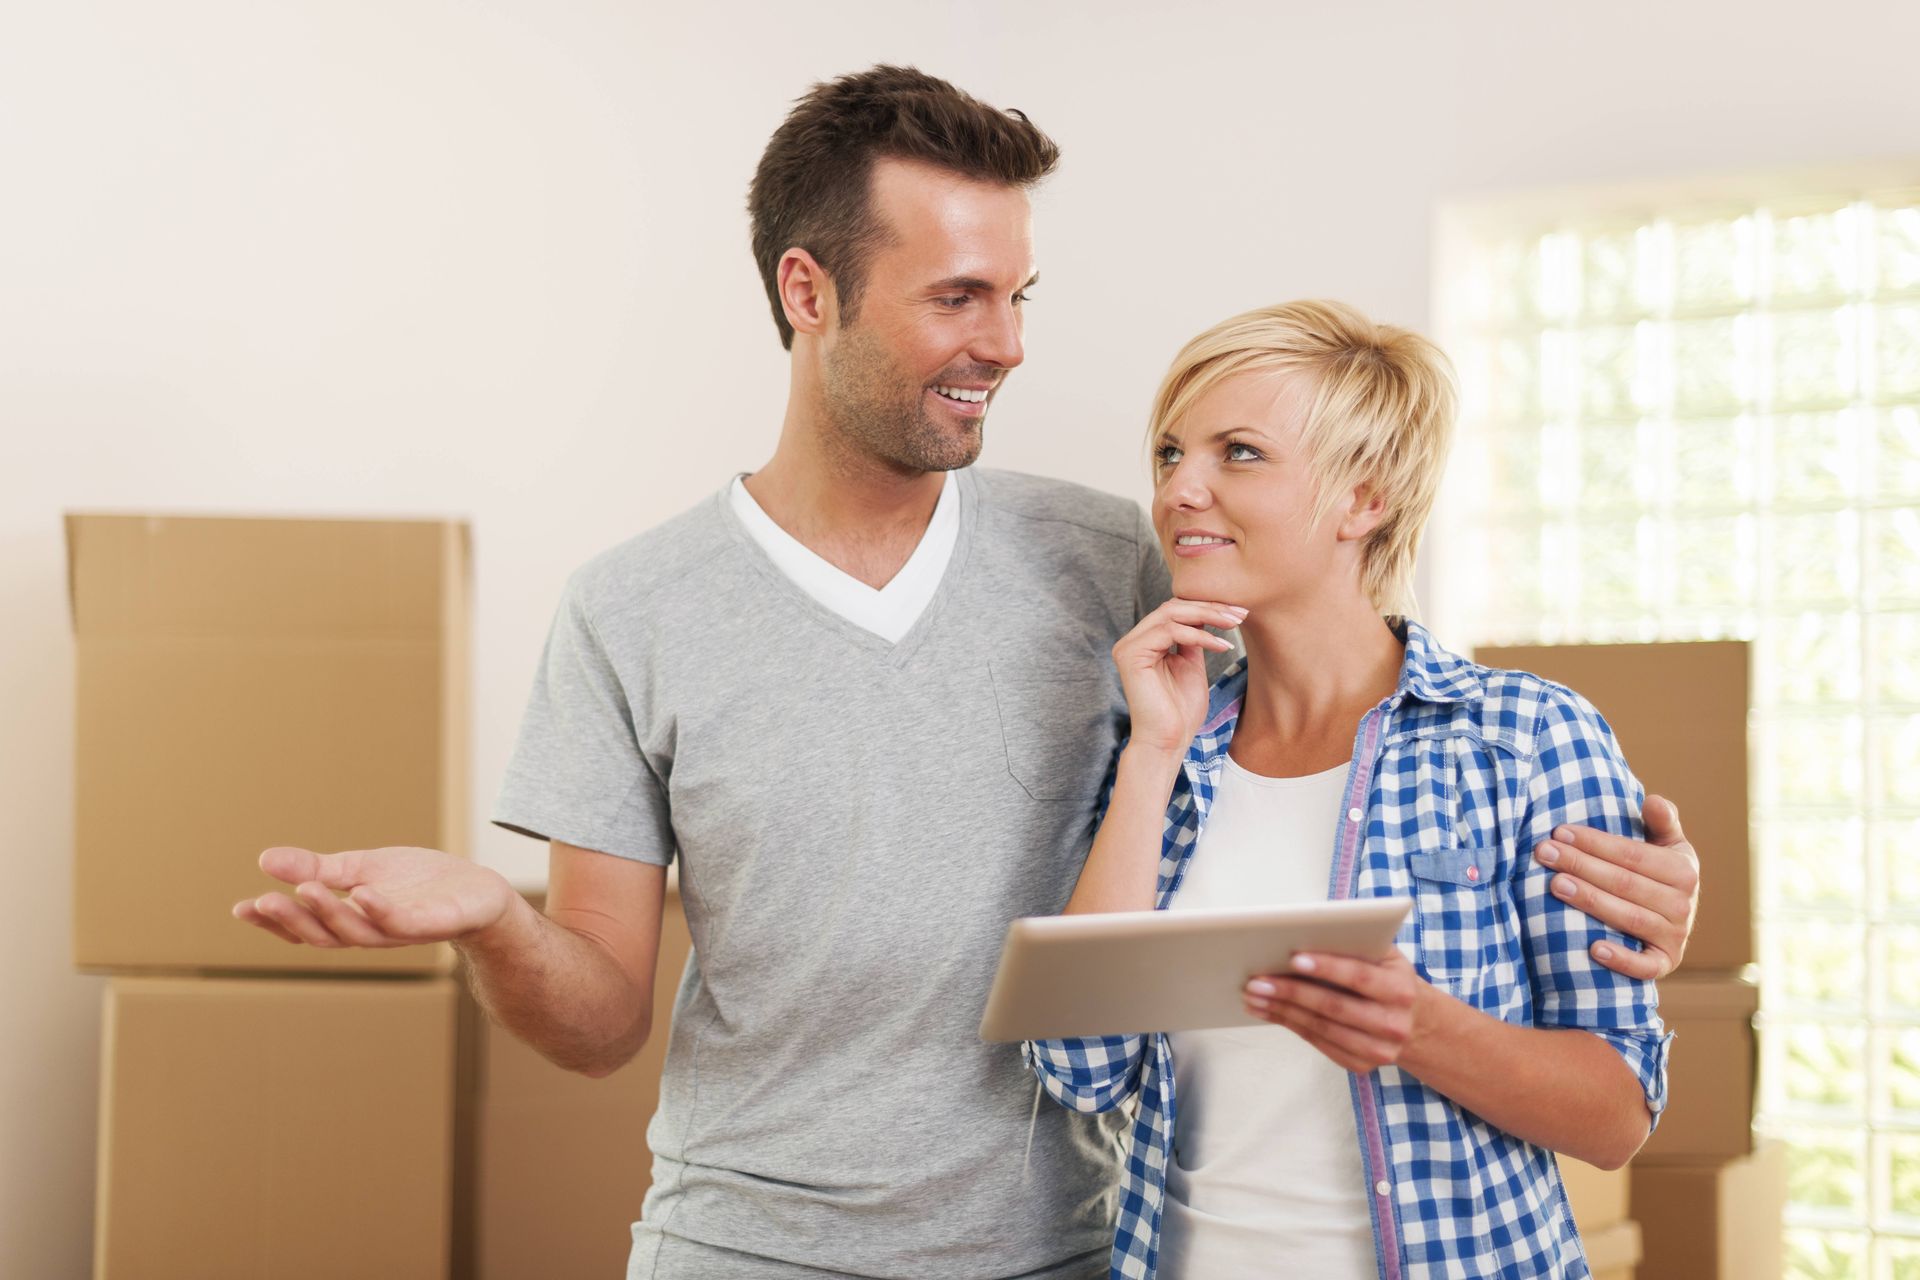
(856,822)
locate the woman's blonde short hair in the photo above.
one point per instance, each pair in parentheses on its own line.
(1381,414)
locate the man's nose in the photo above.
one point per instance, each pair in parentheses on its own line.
(1001,339)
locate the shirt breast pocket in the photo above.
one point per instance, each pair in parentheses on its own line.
(1059,730)
(1455,910)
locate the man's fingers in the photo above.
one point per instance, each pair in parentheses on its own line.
(1610,877)
(250,914)
(1675,865)
(1650,927)
(1651,964)
(296,919)
(297,866)
(291,865)
(1662,817)
(340,917)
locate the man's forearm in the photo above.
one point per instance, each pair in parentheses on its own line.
(558,990)
(1559,1088)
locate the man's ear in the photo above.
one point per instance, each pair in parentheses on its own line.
(1365,511)
(806,293)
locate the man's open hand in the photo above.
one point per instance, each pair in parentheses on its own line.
(394,897)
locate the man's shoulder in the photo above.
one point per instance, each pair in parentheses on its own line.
(1031,497)
(653,561)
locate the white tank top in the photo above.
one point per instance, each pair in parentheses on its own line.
(1266,1178)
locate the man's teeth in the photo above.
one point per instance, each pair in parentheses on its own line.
(962,393)
(1194,540)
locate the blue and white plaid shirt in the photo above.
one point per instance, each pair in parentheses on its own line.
(1455,778)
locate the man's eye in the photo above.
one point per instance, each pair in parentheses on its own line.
(1022,296)
(955,302)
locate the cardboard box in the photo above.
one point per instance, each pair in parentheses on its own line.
(1713,1221)
(1613,1251)
(561,1160)
(249,683)
(1598,1197)
(1679,712)
(1710,1073)
(255,1127)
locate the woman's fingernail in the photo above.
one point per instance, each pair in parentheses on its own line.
(1563,834)
(1304,964)
(1603,952)
(1549,854)
(1261,987)
(1563,887)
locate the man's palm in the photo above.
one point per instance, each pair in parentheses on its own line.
(394,897)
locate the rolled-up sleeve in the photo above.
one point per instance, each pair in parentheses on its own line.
(1089,1073)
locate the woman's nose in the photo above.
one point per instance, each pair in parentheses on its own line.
(1184,489)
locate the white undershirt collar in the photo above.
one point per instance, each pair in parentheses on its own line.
(890,611)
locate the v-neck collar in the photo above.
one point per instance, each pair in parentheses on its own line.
(889,608)
(896,653)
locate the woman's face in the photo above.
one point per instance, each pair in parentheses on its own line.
(1233,499)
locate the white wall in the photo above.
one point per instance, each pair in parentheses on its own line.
(490,260)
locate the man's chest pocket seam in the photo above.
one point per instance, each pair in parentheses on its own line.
(1059,732)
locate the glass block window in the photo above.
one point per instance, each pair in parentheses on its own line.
(1699,421)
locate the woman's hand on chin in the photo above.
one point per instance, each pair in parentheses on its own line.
(1163,668)
(1362,1014)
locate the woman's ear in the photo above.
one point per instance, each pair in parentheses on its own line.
(806,293)
(1365,511)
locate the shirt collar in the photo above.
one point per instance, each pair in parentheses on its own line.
(1429,672)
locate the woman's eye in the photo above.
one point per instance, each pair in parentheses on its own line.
(1167,455)
(1237,452)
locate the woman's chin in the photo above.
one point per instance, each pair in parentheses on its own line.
(1194,582)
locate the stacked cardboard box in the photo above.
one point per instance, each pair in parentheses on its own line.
(1680,714)
(1598,1198)
(262,1127)
(1717,1220)
(242,684)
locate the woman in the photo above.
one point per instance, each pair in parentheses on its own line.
(1397,1118)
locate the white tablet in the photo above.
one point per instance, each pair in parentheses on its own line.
(1130,972)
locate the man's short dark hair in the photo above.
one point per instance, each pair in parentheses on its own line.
(812,189)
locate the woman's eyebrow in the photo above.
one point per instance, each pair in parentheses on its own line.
(1225,432)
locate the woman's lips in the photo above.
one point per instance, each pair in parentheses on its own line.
(1188,545)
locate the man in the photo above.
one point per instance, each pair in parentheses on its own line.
(863,695)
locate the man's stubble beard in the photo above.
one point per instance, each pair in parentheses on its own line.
(877,413)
